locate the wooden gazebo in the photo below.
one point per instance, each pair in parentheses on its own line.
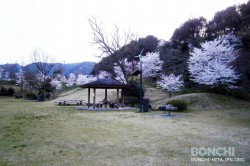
(105,83)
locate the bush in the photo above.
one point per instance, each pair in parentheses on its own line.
(133,90)
(241,94)
(3,91)
(48,96)
(6,92)
(130,100)
(41,96)
(180,104)
(31,96)
(11,91)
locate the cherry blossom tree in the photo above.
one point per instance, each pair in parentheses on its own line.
(171,83)
(42,82)
(151,67)
(211,64)
(129,66)
(63,79)
(1,72)
(44,65)
(71,80)
(81,79)
(84,79)
(102,74)
(151,64)
(91,78)
(121,74)
(7,76)
(20,79)
(57,82)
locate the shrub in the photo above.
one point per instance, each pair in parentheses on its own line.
(241,94)
(31,96)
(180,104)
(11,91)
(133,90)
(3,91)
(48,96)
(130,100)
(41,96)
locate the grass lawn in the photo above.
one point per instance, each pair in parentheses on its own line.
(33,133)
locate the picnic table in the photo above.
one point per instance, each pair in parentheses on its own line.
(70,102)
(167,107)
(106,104)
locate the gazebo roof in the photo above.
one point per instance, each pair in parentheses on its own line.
(104,83)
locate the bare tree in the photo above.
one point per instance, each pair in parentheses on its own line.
(44,65)
(110,45)
(43,62)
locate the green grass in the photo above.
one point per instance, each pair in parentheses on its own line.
(34,133)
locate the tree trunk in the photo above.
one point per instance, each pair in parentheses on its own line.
(170,94)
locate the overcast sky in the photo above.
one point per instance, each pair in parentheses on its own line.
(60,27)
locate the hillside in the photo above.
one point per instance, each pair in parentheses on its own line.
(81,68)
(67,68)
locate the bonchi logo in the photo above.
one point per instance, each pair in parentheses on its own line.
(212,152)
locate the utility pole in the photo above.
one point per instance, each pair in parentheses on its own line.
(141,101)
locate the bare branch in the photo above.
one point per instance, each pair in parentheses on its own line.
(43,62)
(110,47)
(99,38)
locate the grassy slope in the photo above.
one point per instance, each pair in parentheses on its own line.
(210,101)
(82,94)
(157,96)
(33,133)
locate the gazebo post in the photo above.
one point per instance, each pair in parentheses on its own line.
(94,94)
(122,98)
(88,97)
(117,97)
(106,94)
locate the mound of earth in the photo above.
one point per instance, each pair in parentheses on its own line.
(196,101)
(210,101)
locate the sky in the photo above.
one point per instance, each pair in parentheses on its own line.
(61,28)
